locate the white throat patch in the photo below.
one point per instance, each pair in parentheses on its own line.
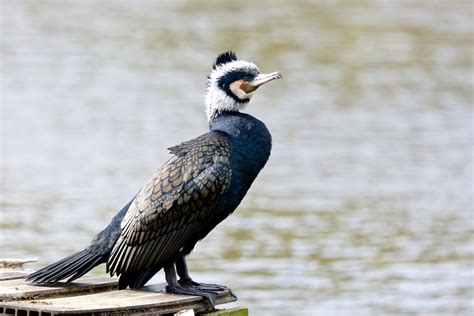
(217,100)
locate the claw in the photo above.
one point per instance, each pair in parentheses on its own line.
(185,280)
(186,290)
(213,288)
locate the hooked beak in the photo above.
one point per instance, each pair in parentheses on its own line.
(261,79)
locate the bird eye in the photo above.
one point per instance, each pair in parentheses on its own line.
(247,77)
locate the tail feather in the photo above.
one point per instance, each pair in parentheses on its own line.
(81,262)
(72,267)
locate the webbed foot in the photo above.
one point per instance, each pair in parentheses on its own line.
(211,288)
(188,290)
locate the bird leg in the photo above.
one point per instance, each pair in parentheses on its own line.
(177,288)
(185,279)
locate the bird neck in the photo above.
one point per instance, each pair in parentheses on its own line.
(249,136)
(218,101)
(237,124)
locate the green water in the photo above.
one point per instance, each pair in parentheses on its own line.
(365,207)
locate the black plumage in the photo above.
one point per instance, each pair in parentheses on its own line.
(225,58)
(202,184)
(174,205)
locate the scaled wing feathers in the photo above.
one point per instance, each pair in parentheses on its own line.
(176,201)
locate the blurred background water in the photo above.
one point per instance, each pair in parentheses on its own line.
(365,207)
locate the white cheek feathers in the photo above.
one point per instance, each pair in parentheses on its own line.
(217,100)
(229,88)
(236,89)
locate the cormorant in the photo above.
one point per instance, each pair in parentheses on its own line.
(203,183)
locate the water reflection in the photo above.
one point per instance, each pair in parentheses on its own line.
(365,206)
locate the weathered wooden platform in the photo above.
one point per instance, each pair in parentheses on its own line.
(95,296)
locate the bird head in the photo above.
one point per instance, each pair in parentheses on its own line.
(232,83)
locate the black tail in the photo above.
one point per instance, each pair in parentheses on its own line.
(81,262)
(71,267)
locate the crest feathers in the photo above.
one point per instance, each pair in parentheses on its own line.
(225,58)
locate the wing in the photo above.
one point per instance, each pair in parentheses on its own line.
(173,205)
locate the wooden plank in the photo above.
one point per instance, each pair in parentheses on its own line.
(150,300)
(14,264)
(12,275)
(17,289)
